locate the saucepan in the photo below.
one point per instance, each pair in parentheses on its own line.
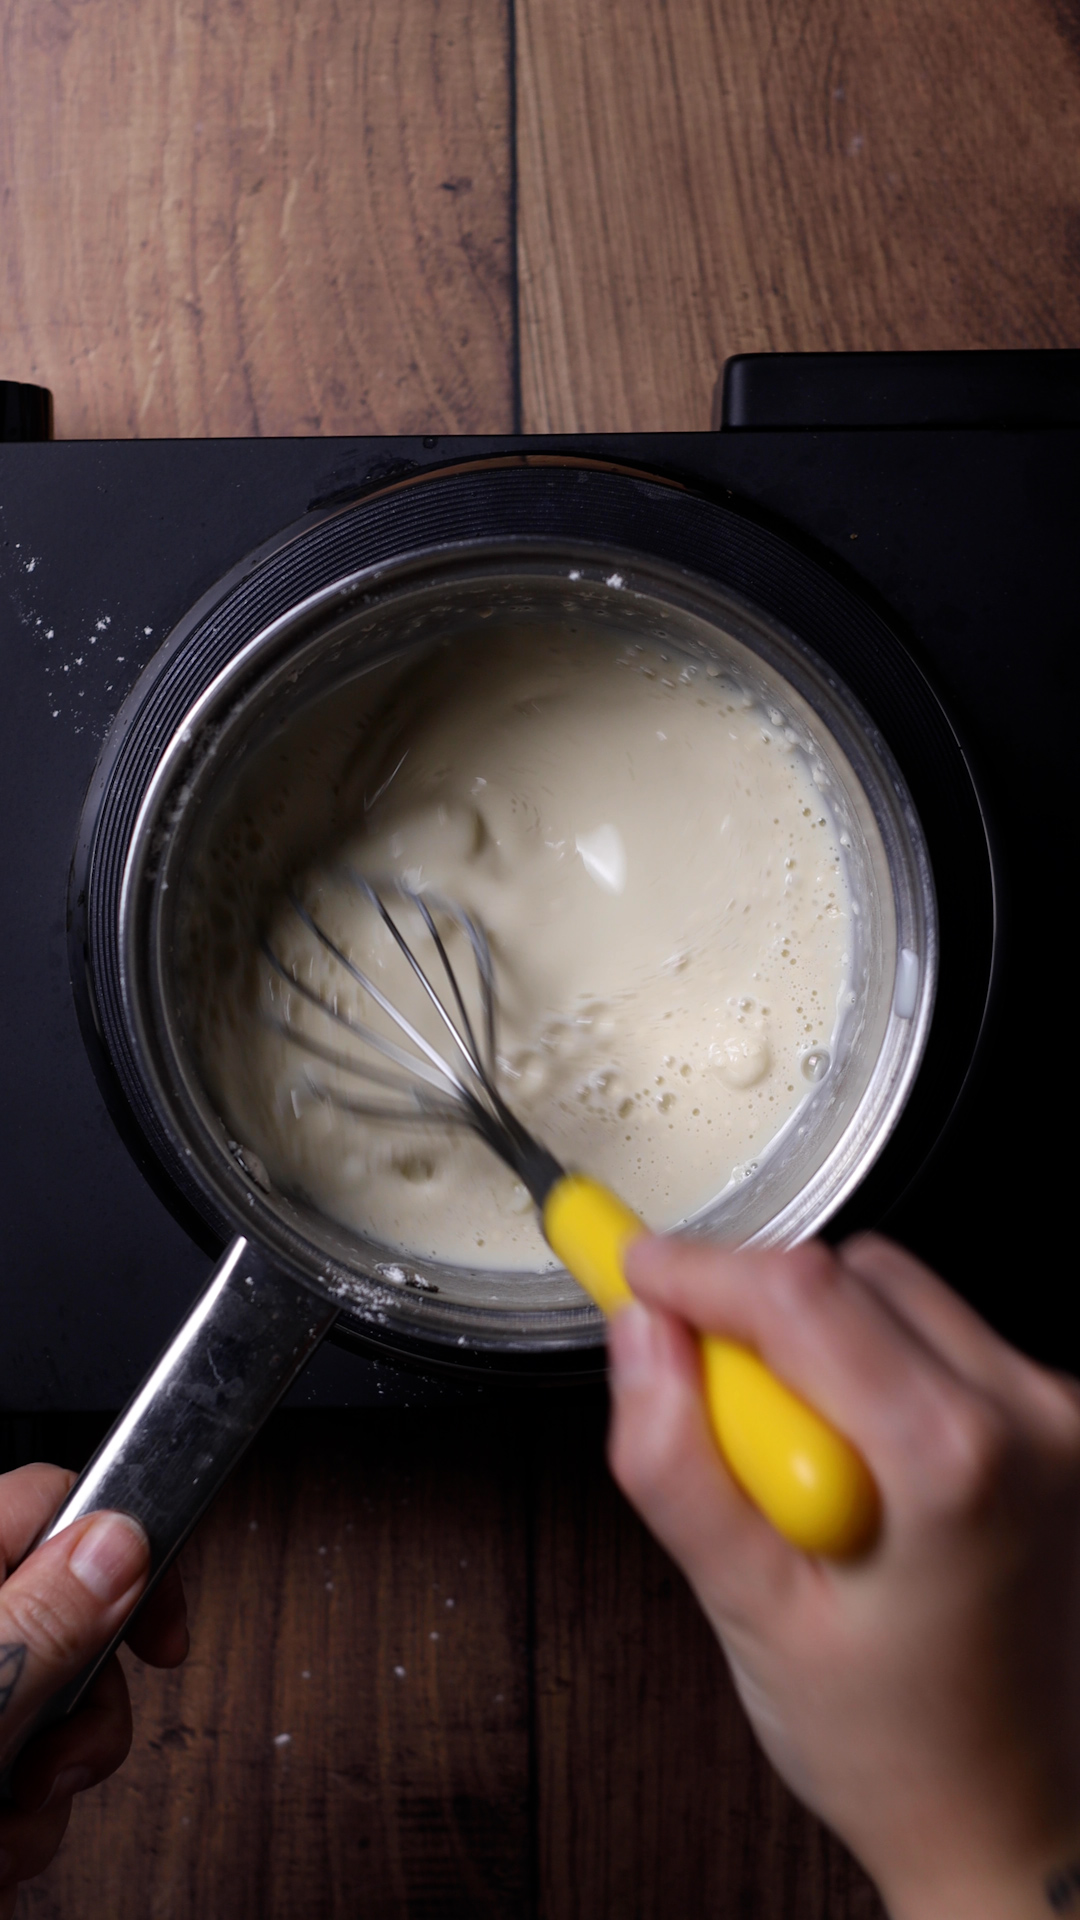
(288,1274)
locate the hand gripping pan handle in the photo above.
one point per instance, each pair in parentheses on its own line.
(202,1403)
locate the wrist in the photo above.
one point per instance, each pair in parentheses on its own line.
(1040,1887)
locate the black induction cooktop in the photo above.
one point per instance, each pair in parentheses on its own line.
(946,504)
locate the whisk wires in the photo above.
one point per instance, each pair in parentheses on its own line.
(427,1086)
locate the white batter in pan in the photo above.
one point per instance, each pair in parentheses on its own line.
(664,896)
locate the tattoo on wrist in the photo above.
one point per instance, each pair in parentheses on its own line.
(12,1660)
(1062,1888)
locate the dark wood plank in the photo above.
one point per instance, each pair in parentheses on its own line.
(257,218)
(653,1797)
(741,175)
(351,1731)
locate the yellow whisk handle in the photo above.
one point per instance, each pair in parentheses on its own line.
(590,1228)
(806,1478)
(803,1475)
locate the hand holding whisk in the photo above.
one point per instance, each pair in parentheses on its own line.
(386,1066)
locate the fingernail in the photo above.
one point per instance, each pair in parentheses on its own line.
(633,1344)
(110,1556)
(70,1780)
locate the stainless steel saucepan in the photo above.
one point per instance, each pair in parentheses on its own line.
(288,1272)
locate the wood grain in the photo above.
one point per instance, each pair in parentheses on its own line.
(351,1731)
(257,218)
(654,1797)
(743,175)
(439,1671)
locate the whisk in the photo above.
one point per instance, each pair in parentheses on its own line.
(803,1475)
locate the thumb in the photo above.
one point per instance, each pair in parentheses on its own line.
(61,1607)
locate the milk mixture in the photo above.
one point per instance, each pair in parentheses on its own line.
(664,897)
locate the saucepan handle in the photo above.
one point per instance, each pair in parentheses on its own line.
(243,1343)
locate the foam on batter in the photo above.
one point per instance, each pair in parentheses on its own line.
(663,892)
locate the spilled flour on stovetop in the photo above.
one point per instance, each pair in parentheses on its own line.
(664,895)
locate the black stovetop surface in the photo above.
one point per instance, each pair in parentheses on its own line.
(970,538)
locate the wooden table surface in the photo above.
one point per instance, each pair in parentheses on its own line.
(438,1667)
